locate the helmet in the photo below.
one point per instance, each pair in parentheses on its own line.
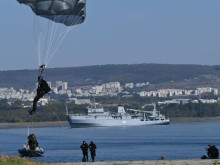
(40,78)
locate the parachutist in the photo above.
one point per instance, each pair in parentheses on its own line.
(42,89)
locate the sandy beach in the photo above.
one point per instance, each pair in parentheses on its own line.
(153,162)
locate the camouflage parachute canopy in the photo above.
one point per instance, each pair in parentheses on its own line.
(68,12)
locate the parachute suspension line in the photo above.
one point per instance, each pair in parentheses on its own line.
(57,118)
(45,40)
(52,40)
(46,53)
(62,36)
(56,42)
(76,17)
(57,46)
(42,32)
(36,37)
(40,39)
(46,43)
(39,52)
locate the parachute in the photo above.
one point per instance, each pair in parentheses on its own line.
(68,12)
(53,20)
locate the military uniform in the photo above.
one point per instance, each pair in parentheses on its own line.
(84,147)
(92,147)
(42,89)
(32,142)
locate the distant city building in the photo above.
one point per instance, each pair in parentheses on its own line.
(110,89)
(82,101)
(61,86)
(129,85)
(64,86)
(58,83)
(49,84)
(215,92)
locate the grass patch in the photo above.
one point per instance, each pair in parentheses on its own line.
(15,160)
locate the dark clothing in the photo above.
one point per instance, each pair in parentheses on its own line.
(204,157)
(36,99)
(84,147)
(215,152)
(32,142)
(42,89)
(212,152)
(92,148)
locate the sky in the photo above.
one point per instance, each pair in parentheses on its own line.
(118,32)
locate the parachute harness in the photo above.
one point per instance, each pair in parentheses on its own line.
(41,69)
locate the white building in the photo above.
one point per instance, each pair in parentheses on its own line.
(129,85)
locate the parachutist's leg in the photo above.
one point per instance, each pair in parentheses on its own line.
(36,99)
(35,102)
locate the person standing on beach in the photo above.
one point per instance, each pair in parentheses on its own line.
(92,147)
(84,147)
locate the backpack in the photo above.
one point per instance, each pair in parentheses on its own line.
(47,88)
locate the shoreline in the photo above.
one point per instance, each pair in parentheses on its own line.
(5,159)
(66,124)
(194,119)
(148,162)
(35,124)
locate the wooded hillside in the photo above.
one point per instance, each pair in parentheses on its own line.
(92,75)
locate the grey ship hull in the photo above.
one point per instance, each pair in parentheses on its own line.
(86,121)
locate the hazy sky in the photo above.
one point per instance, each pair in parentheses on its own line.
(119,32)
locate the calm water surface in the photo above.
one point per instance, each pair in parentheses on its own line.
(183,140)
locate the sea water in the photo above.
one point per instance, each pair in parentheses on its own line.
(179,140)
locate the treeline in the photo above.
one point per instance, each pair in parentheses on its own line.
(56,111)
(191,110)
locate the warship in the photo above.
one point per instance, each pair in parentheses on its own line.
(97,117)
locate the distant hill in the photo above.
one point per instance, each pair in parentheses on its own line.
(92,75)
